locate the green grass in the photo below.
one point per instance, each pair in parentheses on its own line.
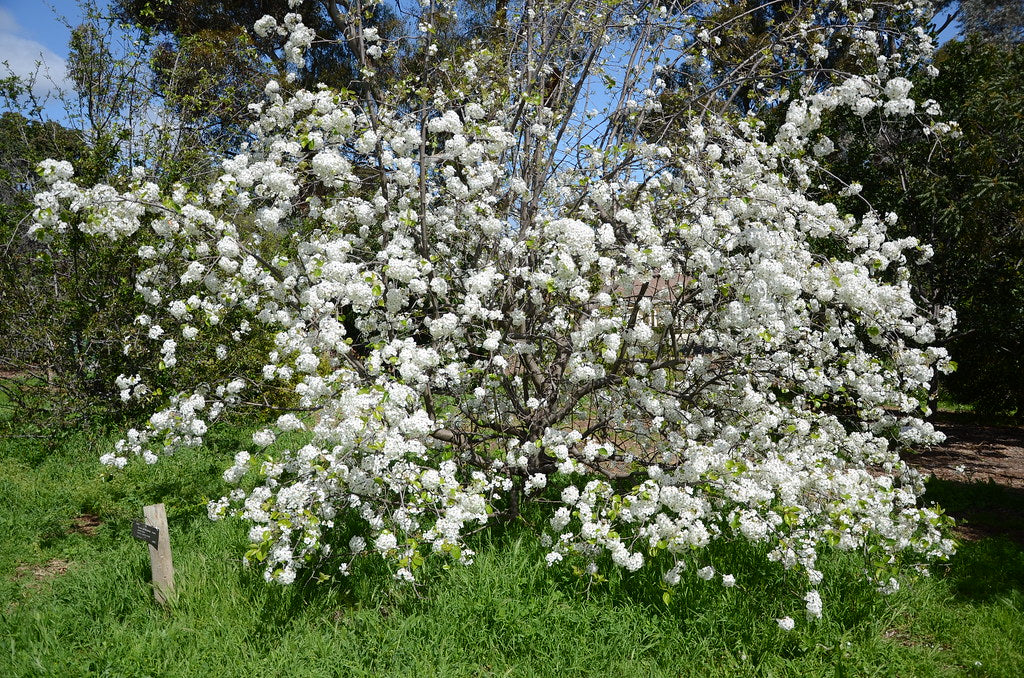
(79,604)
(950,410)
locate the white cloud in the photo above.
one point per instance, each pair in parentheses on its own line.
(7,22)
(23,55)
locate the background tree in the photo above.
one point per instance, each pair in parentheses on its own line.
(744,59)
(57,299)
(1000,21)
(971,192)
(209,63)
(69,302)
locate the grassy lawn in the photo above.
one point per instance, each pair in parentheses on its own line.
(75,598)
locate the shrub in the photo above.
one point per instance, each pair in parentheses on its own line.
(477,301)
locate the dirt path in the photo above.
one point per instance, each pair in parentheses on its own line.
(975,453)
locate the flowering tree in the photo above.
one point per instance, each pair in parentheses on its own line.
(512,278)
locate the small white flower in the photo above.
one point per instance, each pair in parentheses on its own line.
(228,247)
(289,422)
(264,438)
(385,542)
(813,605)
(265,26)
(307,362)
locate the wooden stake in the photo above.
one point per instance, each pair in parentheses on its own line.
(160,557)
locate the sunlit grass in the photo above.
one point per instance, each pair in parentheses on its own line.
(76,600)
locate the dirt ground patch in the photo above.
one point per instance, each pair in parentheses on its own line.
(975,453)
(43,571)
(86,524)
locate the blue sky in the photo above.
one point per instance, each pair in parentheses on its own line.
(31,32)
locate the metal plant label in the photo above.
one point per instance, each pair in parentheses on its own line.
(146,533)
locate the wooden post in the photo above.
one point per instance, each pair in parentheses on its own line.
(160,556)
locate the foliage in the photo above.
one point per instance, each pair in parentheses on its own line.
(750,65)
(56,304)
(973,192)
(483,296)
(210,64)
(1000,21)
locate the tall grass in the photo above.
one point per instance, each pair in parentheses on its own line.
(75,598)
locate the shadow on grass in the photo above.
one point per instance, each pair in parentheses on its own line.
(967,418)
(981,510)
(990,527)
(987,569)
(764,590)
(370,592)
